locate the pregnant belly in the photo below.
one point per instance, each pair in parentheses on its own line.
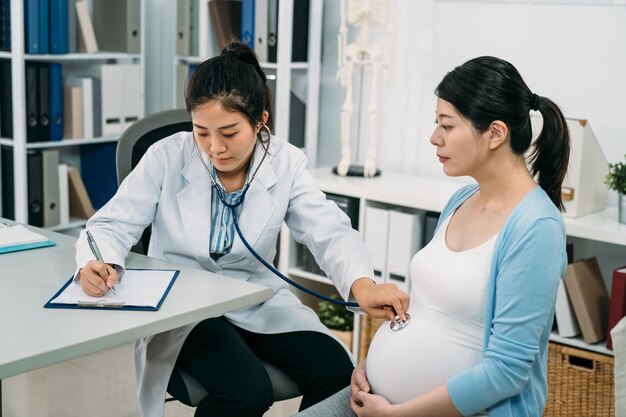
(430,350)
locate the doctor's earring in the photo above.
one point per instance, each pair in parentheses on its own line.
(264,134)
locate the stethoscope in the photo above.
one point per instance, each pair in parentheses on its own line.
(396,323)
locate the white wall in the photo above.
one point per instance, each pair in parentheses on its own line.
(573,54)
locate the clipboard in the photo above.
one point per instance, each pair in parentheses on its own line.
(139,290)
(16,237)
(17,248)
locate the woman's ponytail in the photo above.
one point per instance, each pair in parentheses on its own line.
(549,156)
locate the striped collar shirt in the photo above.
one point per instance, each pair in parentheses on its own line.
(222,225)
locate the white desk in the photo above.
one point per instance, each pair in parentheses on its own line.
(34,337)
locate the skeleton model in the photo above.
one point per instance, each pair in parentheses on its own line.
(362,54)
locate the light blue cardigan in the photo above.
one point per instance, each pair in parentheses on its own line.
(528,262)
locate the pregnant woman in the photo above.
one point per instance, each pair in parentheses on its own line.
(483,290)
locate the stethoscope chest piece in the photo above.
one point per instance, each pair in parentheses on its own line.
(397,324)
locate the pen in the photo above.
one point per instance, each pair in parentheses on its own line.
(96,252)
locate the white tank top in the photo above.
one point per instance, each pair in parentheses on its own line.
(445,335)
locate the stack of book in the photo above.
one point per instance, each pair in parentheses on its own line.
(583,303)
(66,26)
(56,191)
(254,22)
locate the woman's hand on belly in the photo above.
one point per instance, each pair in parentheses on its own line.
(365,404)
(436,403)
(359,382)
(362,402)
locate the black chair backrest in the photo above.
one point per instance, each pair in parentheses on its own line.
(136,140)
(142,145)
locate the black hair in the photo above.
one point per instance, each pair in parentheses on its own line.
(234,79)
(486,89)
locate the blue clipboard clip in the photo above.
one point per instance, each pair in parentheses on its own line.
(101,304)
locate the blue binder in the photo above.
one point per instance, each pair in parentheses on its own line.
(56,102)
(36,24)
(28,246)
(44,26)
(247,22)
(31,25)
(59,40)
(97,168)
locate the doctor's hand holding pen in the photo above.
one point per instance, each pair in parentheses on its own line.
(97,278)
(380,300)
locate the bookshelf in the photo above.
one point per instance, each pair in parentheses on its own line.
(72,64)
(299,78)
(394,190)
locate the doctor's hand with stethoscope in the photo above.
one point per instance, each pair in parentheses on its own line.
(380,300)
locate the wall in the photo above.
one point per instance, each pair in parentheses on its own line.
(574,54)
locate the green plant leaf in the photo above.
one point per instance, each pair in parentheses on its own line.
(335,316)
(616,177)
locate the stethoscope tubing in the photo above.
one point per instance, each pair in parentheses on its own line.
(233,209)
(276,271)
(395,325)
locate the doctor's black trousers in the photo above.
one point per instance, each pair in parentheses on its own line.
(226,361)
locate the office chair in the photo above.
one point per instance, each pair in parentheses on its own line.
(133,143)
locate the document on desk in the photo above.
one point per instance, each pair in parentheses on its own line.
(16,237)
(139,289)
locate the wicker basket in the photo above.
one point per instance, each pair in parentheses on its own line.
(580,383)
(369,326)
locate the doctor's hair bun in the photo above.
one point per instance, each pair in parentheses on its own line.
(244,53)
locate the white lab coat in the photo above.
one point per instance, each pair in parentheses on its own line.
(171,189)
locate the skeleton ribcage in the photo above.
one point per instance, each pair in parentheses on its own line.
(372,11)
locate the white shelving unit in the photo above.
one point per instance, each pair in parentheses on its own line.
(64,143)
(601,226)
(431,194)
(88,62)
(288,74)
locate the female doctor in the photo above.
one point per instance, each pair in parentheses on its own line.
(172,189)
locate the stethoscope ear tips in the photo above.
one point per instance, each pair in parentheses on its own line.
(397,324)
